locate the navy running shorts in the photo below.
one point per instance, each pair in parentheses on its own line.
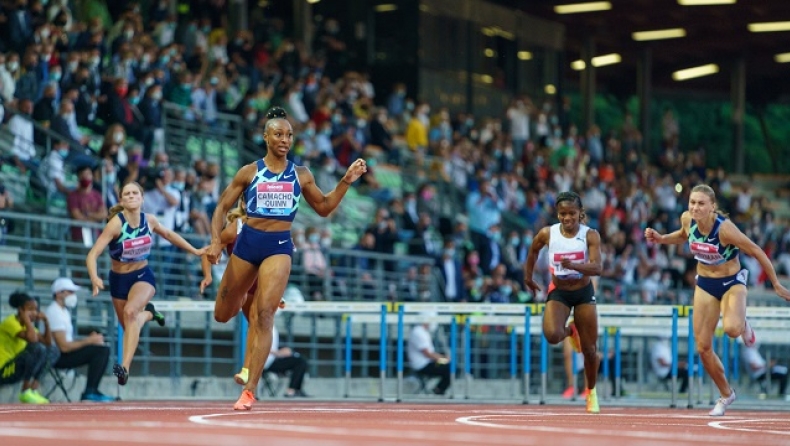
(121,283)
(718,286)
(255,246)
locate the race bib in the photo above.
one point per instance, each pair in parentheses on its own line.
(137,247)
(705,251)
(574,257)
(275,197)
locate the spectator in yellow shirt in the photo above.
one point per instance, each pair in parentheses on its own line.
(23,349)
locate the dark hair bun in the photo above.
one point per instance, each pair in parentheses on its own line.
(276,113)
(18,299)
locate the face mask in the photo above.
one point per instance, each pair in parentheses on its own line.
(527,239)
(55,76)
(315,238)
(178,185)
(63,153)
(45,33)
(257,139)
(85,182)
(12,66)
(165,59)
(433,326)
(214,81)
(336,119)
(252,116)
(309,132)
(95,62)
(495,236)
(117,138)
(134,101)
(505,290)
(514,241)
(156,96)
(122,91)
(70,301)
(326,132)
(427,195)
(73,66)
(449,252)
(326,242)
(149,81)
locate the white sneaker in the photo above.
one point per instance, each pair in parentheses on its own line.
(748,336)
(721,405)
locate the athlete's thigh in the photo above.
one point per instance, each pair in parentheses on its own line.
(236,281)
(139,295)
(733,305)
(707,310)
(273,277)
(555,315)
(585,316)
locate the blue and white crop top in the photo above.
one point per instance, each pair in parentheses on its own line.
(274,196)
(134,244)
(708,249)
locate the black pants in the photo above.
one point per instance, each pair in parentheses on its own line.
(778,374)
(296,364)
(440,370)
(683,376)
(94,356)
(28,365)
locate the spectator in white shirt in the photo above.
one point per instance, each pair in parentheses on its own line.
(661,363)
(423,358)
(759,368)
(53,172)
(21,127)
(283,359)
(90,351)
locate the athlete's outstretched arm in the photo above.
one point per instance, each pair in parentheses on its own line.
(173,237)
(227,200)
(593,267)
(324,204)
(111,230)
(540,240)
(729,234)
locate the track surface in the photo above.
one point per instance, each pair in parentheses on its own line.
(327,423)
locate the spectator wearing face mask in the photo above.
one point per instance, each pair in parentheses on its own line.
(90,351)
(52,173)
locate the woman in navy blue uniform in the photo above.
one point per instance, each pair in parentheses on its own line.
(715,243)
(271,188)
(129,234)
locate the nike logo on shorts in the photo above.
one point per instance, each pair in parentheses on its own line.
(727,283)
(282,241)
(141,276)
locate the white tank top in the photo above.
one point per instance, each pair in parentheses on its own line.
(561,247)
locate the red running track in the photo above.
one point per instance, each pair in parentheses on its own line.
(320,423)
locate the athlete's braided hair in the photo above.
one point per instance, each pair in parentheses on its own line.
(273,114)
(574,198)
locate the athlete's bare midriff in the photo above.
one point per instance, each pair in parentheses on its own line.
(127,267)
(570,284)
(726,269)
(268,224)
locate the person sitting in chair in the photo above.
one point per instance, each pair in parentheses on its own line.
(283,359)
(90,351)
(23,349)
(661,363)
(423,358)
(759,369)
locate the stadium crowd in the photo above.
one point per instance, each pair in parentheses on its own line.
(97,77)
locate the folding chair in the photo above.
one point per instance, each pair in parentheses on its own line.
(59,384)
(272,383)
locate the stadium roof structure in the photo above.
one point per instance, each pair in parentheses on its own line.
(697,33)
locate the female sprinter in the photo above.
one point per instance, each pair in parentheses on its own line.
(721,282)
(574,256)
(129,233)
(271,188)
(236,219)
